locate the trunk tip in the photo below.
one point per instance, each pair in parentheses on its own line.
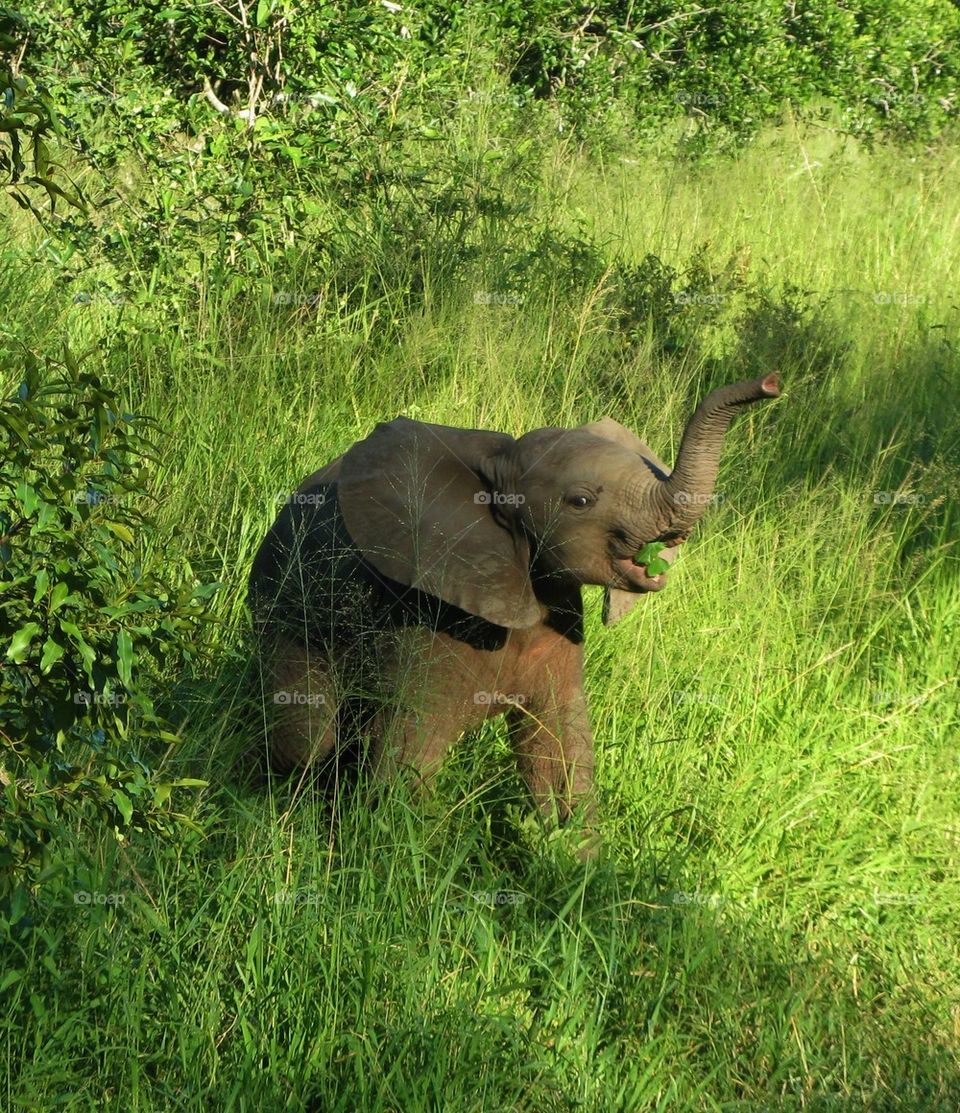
(770,384)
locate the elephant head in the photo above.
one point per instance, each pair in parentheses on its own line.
(482,520)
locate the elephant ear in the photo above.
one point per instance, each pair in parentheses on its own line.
(617,603)
(416,502)
(612,430)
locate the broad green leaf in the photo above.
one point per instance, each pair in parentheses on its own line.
(42,583)
(46,518)
(10,978)
(57,596)
(86,651)
(41,156)
(124,805)
(52,652)
(649,552)
(29,499)
(20,642)
(54,191)
(120,530)
(124,657)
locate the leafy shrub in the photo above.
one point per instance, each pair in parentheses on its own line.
(27,123)
(377,69)
(82,623)
(245,137)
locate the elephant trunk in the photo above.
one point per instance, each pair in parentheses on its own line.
(685,493)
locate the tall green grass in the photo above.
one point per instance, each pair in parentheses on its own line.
(773,922)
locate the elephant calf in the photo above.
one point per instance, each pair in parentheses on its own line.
(430,578)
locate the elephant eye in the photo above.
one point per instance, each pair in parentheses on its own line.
(580,501)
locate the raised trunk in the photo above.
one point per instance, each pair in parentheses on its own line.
(686,492)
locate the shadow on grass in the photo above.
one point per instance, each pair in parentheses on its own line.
(613,985)
(831,422)
(450,956)
(614,989)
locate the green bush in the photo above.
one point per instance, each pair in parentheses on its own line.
(728,68)
(83,624)
(28,121)
(257,143)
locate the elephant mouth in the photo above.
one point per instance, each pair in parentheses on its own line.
(636,576)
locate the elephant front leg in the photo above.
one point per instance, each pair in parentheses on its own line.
(302,704)
(401,739)
(554,749)
(428,701)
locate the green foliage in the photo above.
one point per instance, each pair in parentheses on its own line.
(282,142)
(404,223)
(250,191)
(28,122)
(368,70)
(82,622)
(650,556)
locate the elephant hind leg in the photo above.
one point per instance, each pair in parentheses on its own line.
(301,703)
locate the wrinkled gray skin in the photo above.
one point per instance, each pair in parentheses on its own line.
(430,578)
